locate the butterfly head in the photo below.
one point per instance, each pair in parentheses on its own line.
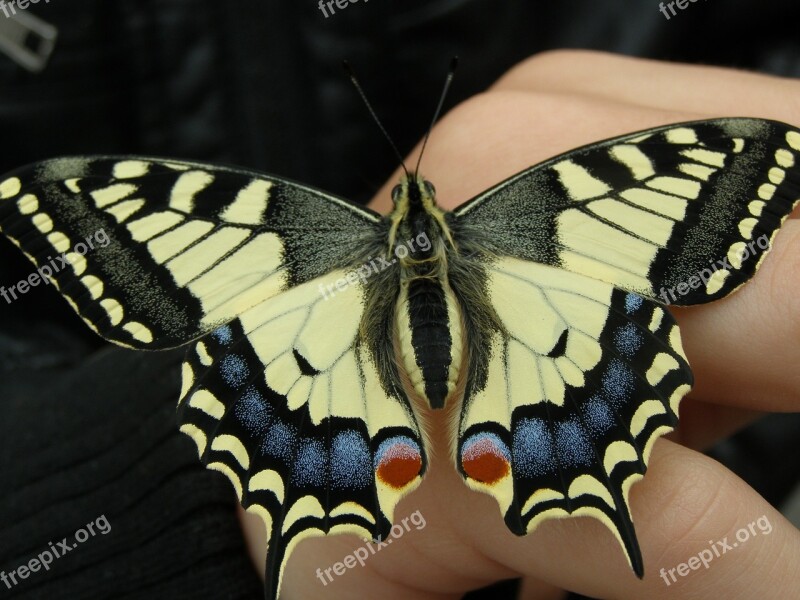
(415,210)
(413,191)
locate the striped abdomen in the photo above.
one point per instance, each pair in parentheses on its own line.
(430,339)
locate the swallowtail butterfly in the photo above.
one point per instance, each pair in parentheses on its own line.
(315,325)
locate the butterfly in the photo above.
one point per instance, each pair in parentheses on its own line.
(317,327)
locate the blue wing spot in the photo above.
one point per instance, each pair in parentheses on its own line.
(628,339)
(223,335)
(633,302)
(387,445)
(476,440)
(533,448)
(234,370)
(574,449)
(280,441)
(617,382)
(351,462)
(253,412)
(310,464)
(597,416)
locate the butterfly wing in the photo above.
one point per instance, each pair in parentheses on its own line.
(154,253)
(575,366)
(683,213)
(575,381)
(303,410)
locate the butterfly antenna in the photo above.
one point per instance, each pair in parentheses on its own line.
(348,69)
(450,73)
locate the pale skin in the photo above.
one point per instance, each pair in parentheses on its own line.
(743,350)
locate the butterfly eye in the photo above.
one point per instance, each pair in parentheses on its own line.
(396,191)
(430,189)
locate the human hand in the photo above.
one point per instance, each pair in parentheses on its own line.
(744,359)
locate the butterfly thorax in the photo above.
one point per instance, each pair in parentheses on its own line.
(428,318)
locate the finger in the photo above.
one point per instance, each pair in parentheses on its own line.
(345,566)
(743,349)
(535,589)
(701,89)
(688,506)
(476,145)
(431,563)
(434,559)
(703,424)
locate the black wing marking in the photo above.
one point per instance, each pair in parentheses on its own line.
(682,214)
(289,402)
(574,382)
(153,253)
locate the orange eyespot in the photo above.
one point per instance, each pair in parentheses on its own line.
(485,458)
(398,461)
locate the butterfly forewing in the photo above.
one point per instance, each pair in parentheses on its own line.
(682,214)
(177,248)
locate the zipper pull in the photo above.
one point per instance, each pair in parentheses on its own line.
(26,39)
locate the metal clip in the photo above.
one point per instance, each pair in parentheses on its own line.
(27,40)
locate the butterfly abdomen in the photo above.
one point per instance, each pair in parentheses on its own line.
(430,337)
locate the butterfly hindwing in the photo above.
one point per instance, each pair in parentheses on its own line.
(683,213)
(153,253)
(289,401)
(575,382)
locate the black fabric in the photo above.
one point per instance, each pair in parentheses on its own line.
(82,448)
(88,430)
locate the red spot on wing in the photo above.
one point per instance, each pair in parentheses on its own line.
(399,465)
(483,461)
